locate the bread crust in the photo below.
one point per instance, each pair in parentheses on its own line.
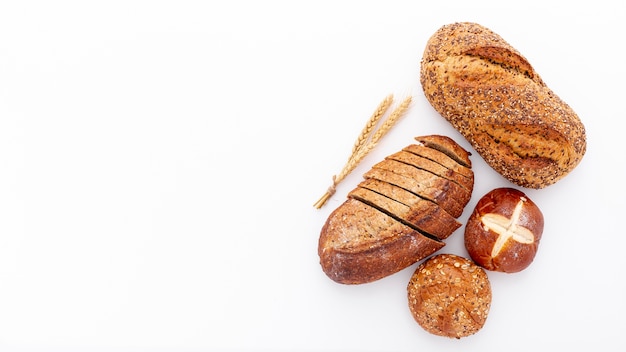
(398,215)
(421,215)
(441,159)
(447,146)
(491,94)
(449,296)
(514,254)
(433,167)
(370,246)
(447,194)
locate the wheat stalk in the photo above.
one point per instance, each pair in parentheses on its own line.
(391,121)
(371,124)
(364,144)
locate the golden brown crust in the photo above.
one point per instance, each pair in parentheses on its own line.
(504,231)
(359,244)
(433,167)
(491,94)
(449,195)
(447,146)
(441,159)
(422,215)
(449,296)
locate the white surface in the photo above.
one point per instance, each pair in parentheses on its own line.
(159,162)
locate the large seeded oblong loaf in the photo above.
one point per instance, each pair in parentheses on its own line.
(397,215)
(492,95)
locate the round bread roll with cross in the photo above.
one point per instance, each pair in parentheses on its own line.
(504,230)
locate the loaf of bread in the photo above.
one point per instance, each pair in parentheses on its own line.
(399,214)
(492,95)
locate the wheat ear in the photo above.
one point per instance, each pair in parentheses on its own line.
(365,144)
(366,133)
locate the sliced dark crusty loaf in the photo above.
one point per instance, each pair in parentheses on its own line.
(491,94)
(397,215)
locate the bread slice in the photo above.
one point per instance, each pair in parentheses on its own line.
(440,158)
(447,146)
(423,216)
(415,202)
(433,167)
(360,244)
(447,194)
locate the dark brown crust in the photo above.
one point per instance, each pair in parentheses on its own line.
(449,195)
(447,146)
(479,240)
(368,246)
(440,158)
(423,216)
(491,94)
(433,167)
(449,296)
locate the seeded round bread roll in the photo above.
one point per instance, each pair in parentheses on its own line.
(449,296)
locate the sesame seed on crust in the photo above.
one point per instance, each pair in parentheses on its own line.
(490,93)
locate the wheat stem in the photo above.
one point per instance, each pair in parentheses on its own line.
(371,124)
(391,120)
(365,144)
(356,158)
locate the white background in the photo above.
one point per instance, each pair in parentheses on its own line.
(159,161)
